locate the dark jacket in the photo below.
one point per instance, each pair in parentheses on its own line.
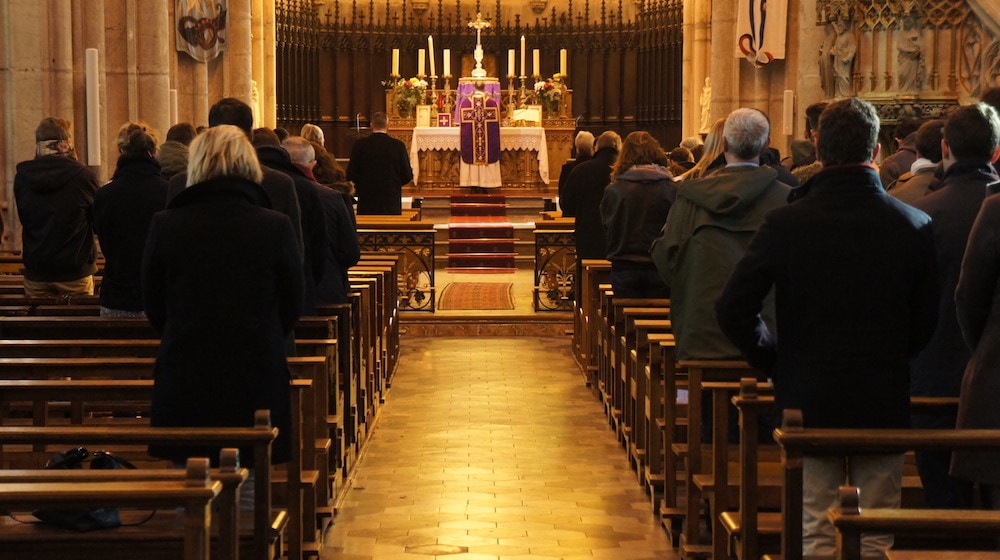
(977,299)
(379,168)
(313,223)
(342,250)
(564,173)
(581,199)
(222,284)
(633,211)
(855,280)
(707,231)
(123,210)
(899,162)
(173,158)
(937,371)
(55,200)
(911,187)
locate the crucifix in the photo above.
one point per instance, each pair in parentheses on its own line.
(479,24)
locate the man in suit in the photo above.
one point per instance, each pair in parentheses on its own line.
(855,283)
(379,168)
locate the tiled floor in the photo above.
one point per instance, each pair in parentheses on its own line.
(493,449)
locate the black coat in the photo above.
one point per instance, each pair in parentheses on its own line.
(55,200)
(581,199)
(855,280)
(937,371)
(379,168)
(123,210)
(567,169)
(222,284)
(342,249)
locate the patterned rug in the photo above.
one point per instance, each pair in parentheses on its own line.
(477,295)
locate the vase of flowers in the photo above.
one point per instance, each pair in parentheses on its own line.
(550,93)
(407,94)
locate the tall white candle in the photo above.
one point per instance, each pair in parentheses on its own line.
(522,56)
(535,59)
(420,61)
(395,62)
(562,62)
(430,51)
(511,69)
(446,54)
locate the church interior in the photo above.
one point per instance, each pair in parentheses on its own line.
(482,396)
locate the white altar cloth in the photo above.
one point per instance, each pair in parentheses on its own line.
(511,138)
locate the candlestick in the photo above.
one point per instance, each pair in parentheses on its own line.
(535,58)
(562,62)
(511,69)
(420,62)
(430,51)
(446,54)
(395,62)
(522,56)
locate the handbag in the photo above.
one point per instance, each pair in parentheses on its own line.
(83,519)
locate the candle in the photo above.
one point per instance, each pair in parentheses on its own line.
(562,62)
(420,62)
(522,56)
(446,53)
(511,69)
(395,62)
(430,51)
(535,56)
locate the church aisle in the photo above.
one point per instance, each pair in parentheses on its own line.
(493,449)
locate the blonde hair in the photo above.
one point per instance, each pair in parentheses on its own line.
(714,146)
(313,133)
(136,136)
(222,151)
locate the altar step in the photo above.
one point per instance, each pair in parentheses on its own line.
(480,236)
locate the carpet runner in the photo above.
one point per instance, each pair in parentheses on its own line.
(480,237)
(477,295)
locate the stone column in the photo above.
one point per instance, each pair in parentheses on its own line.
(725,72)
(238,67)
(257,56)
(152,37)
(697,63)
(268,85)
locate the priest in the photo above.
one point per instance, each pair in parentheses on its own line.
(480,139)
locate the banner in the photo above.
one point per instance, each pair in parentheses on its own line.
(761,27)
(201,28)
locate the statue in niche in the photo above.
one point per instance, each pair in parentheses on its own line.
(910,60)
(706,102)
(844,49)
(826,79)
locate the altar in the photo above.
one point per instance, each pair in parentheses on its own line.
(435,155)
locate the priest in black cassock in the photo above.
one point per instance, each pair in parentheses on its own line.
(480,139)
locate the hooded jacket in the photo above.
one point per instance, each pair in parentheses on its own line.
(633,210)
(55,198)
(707,231)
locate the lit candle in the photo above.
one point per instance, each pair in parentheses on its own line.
(522,56)
(562,62)
(535,56)
(430,51)
(511,69)
(446,53)
(420,62)
(395,62)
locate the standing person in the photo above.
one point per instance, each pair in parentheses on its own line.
(584,191)
(479,133)
(584,144)
(55,197)
(379,168)
(173,154)
(222,284)
(923,176)
(855,286)
(123,210)
(633,210)
(898,163)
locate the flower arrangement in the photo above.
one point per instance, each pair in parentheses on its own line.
(550,92)
(408,93)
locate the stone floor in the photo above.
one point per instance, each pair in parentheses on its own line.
(493,449)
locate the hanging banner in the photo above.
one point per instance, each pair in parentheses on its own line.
(761,27)
(201,28)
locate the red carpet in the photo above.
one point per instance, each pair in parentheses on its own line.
(480,237)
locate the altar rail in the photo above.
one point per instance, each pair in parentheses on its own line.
(414,242)
(555,265)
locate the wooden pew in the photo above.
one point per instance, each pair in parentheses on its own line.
(654,417)
(153,532)
(640,326)
(796,442)
(194,494)
(15,439)
(956,525)
(593,273)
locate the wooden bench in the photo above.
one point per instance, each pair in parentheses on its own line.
(44,541)
(194,494)
(593,273)
(17,442)
(640,325)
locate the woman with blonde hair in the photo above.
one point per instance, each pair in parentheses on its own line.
(633,211)
(313,133)
(714,147)
(222,284)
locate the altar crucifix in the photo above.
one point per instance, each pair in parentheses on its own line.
(479,24)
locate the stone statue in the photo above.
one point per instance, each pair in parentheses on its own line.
(826,79)
(706,102)
(910,64)
(844,49)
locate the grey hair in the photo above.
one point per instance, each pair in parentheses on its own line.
(609,139)
(584,142)
(692,142)
(746,132)
(300,150)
